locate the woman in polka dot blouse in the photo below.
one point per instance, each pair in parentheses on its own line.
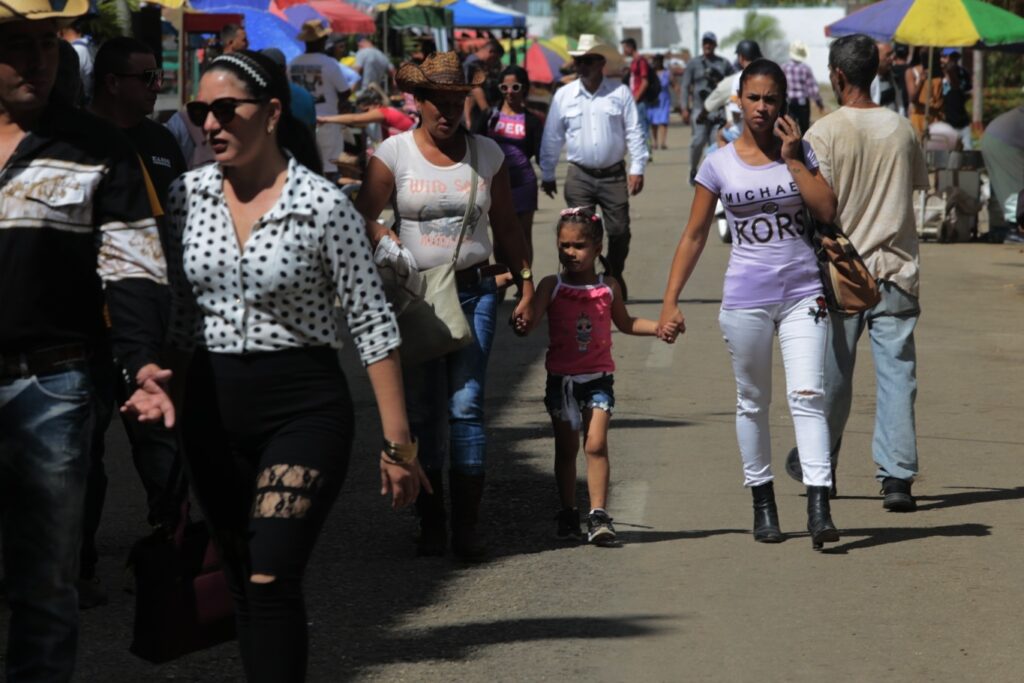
(428,172)
(261,246)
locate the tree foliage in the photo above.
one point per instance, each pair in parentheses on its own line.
(761,28)
(576,18)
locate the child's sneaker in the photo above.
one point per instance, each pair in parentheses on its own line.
(599,528)
(569,525)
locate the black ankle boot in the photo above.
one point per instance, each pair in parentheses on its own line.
(819,517)
(433,540)
(766,515)
(467,490)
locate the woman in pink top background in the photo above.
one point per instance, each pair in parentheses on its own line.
(581,307)
(370,104)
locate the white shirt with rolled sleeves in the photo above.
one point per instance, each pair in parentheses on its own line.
(596,129)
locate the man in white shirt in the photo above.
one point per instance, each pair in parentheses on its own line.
(596,119)
(321,75)
(871,158)
(74,33)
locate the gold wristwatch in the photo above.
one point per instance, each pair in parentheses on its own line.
(400,453)
(525,274)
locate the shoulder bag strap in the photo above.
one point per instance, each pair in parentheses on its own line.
(471,203)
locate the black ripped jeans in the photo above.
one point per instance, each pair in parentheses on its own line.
(267,438)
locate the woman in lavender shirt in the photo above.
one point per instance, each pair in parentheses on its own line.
(766,179)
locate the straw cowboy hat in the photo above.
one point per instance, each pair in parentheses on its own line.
(439,71)
(312,31)
(589,44)
(798,51)
(21,10)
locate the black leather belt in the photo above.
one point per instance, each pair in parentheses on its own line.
(470,277)
(41,362)
(613,170)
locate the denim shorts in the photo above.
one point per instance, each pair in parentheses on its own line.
(598,393)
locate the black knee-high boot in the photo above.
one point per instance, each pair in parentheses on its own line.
(467,491)
(433,540)
(819,517)
(766,514)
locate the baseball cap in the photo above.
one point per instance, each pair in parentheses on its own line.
(950,51)
(748,49)
(709,37)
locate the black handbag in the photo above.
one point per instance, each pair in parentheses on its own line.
(182,601)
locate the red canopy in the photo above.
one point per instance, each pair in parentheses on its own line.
(343,18)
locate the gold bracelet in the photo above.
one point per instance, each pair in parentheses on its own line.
(400,453)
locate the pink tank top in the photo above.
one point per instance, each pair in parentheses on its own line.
(580,329)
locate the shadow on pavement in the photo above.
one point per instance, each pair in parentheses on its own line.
(629,537)
(886,535)
(457,641)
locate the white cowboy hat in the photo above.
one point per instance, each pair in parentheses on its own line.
(798,50)
(589,44)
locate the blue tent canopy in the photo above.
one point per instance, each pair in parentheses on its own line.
(485,14)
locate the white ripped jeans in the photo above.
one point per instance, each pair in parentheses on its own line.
(803,337)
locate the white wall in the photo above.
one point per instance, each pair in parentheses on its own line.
(661,29)
(797,23)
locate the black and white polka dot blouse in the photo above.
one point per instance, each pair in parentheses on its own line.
(278,291)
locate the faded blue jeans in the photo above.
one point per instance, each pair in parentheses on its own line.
(45,427)
(890,327)
(449,391)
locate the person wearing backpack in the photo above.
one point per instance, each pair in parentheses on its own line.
(641,83)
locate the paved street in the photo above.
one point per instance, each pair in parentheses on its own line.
(930,596)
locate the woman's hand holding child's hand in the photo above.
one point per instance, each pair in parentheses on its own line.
(671,325)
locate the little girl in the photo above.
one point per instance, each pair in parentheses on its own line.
(581,306)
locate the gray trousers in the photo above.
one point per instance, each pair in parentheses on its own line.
(611,193)
(699,142)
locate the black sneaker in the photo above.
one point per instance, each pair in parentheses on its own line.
(568,525)
(897,495)
(599,528)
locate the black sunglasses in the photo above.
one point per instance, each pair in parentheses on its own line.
(589,59)
(223,109)
(150,77)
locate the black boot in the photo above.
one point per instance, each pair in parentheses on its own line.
(467,490)
(819,517)
(433,540)
(766,515)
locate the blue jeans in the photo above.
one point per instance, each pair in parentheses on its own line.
(450,391)
(45,427)
(890,327)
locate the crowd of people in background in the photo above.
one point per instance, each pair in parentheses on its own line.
(228,238)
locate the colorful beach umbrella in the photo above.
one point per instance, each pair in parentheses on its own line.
(544,63)
(262,28)
(934,23)
(343,18)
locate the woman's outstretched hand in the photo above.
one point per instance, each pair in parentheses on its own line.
(671,324)
(403,482)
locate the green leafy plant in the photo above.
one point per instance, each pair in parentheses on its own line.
(577,18)
(758,27)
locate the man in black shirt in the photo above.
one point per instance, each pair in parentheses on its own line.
(127,81)
(75,229)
